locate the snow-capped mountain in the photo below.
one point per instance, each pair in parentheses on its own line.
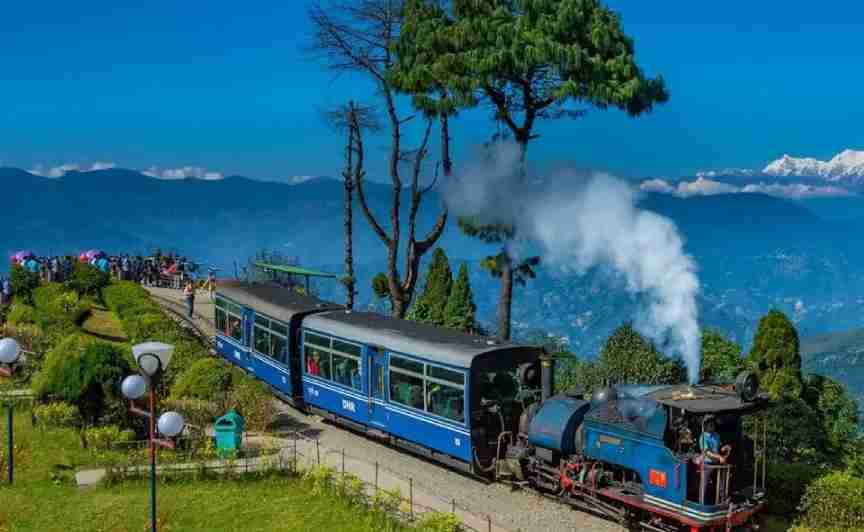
(846,165)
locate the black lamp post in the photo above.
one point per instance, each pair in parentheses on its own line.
(152,359)
(10,351)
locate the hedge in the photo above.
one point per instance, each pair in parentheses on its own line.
(207,379)
(834,502)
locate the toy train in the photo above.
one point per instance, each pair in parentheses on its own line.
(487,408)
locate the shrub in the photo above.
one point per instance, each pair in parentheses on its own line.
(87,279)
(787,483)
(105,438)
(23,282)
(197,412)
(56,414)
(151,326)
(207,378)
(834,502)
(84,373)
(252,400)
(187,352)
(439,522)
(21,314)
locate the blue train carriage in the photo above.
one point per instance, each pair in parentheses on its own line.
(437,392)
(633,453)
(258,330)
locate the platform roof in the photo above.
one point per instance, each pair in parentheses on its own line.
(293,270)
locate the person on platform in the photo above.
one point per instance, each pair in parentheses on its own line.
(189,293)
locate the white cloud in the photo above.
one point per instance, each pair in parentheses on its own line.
(59,171)
(657,185)
(797,190)
(183,172)
(704,187)
(707,187)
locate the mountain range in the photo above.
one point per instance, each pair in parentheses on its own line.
(754,251)
(847,165)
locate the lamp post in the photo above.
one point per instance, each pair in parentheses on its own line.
(152,359)
(10,351)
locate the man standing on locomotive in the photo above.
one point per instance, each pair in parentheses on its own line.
(712,454)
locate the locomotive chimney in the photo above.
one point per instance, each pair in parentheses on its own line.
(547,375)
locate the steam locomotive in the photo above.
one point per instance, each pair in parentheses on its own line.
(629,453)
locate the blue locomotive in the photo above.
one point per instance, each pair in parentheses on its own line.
(486,408)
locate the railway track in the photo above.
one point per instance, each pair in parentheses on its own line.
(177,312)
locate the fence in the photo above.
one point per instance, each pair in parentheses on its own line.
(295,452)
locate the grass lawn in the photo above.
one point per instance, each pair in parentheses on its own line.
(102,323)
(38,503)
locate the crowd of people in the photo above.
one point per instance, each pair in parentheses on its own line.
(168,270)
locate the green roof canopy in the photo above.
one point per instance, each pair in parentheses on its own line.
(293,270)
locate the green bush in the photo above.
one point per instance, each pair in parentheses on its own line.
(439,522)
(23,282)
(45,295)
(251,399)
(128,299)
(21,314)
(787,483)
(104,438)
(87,279)
(86,374)
(834,502)
(153,326)
(206,379)
(56,414)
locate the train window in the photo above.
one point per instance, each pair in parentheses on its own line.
(220,303)
(446,401)
(346,371)
(316,339)
(445,374)
(262,321)
(278,348)
(278,328)
(406,389)
(262,340)
(408,365)
(345,347)
(235,328)
(221,321)
(317,362)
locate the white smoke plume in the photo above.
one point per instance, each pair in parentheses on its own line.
(579,221)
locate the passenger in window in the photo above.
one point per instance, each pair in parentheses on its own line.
(355,378)
(313,366)
(234,328)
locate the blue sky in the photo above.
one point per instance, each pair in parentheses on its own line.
(226,87)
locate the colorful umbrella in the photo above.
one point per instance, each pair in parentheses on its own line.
(21,256)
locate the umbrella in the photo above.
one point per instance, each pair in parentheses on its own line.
(95,253)
(21,256)
(82,257)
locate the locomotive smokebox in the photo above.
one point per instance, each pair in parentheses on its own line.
(547,375)
(555,424)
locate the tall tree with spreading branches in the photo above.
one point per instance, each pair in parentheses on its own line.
(527,60)
(352,120)
(358,36)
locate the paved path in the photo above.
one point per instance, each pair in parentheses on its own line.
(509,510)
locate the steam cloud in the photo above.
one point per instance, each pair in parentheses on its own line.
(580,221)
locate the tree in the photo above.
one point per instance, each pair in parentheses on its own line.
(23,282)
(429,306)
(358,36)
(460,312)
(628,358)
(528,61)
(721,358)
(353,120)
(837,411)
(776,356)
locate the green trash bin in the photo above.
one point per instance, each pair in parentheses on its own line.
(229,433)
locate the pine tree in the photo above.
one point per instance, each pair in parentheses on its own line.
(776,356)
(460,310)
(628,358)
(429,307)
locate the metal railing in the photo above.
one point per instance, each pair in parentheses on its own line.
(297,453)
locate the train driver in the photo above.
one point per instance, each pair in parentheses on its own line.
(709,442)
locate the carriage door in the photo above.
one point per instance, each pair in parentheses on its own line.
(376,386)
